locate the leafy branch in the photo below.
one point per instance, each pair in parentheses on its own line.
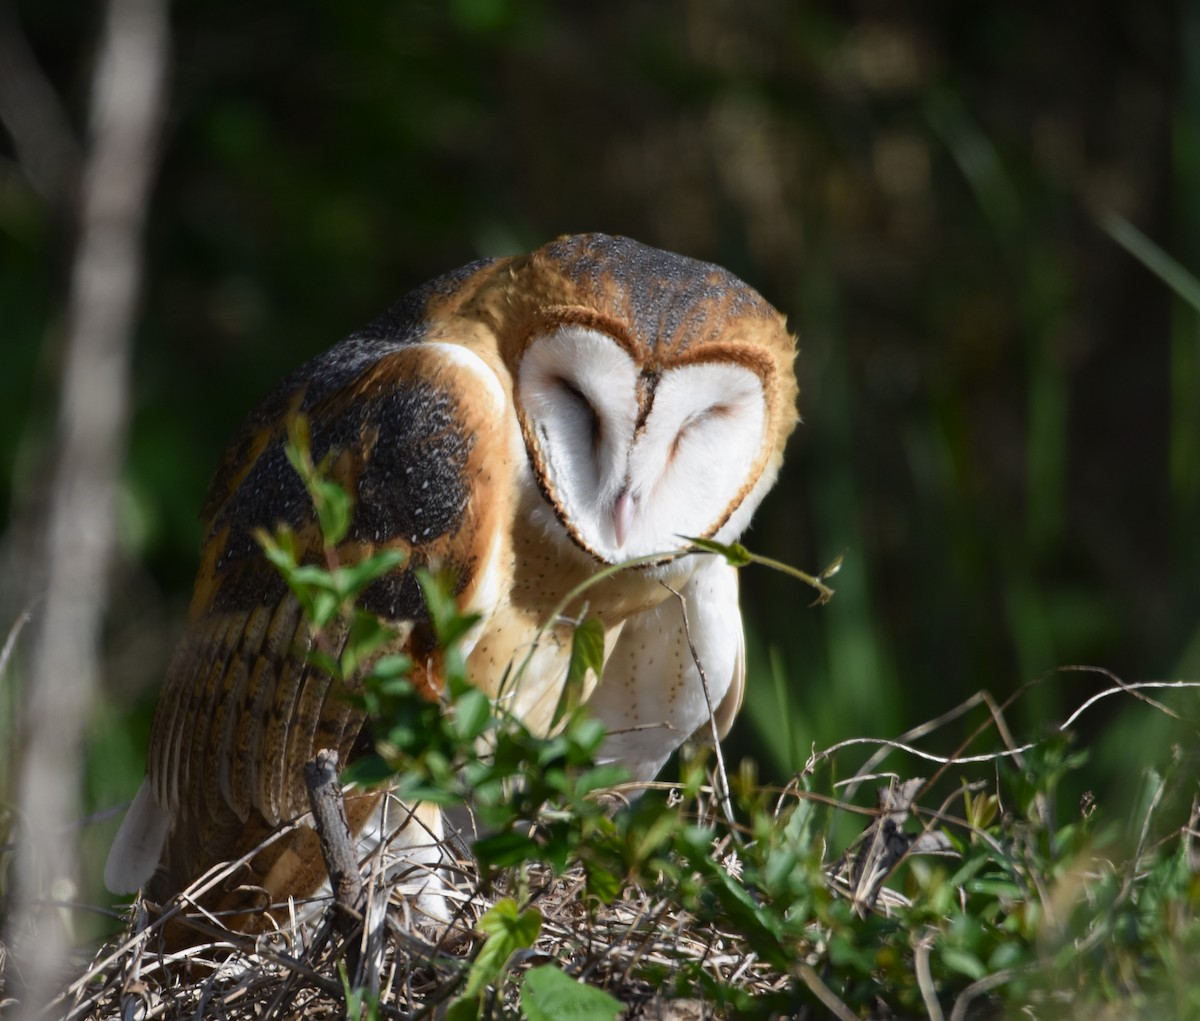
(1013,908)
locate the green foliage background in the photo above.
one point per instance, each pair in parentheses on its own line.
(1001,425)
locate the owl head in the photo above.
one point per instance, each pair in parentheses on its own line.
(654,393)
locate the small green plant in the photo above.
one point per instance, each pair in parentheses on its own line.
(1016,911)
(456,749)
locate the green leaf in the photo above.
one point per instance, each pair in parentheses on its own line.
(753,920)
(360,1003)
(325,606)
(324,661)
(463,1009)
(963,962)
(367,634)
(584,735)
(353,578)
(472,714)
(312,576)
(504,849)
(601,778)
(299,446)
(389,669)
(559,843)
(849,955)
(279,547)
(549,994)
(1170,272)
(508,930)
(367,771)
(438,590)
(735,553)
(333,506)
(603,882)
(587,653)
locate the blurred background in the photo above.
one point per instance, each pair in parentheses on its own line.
(1001,425)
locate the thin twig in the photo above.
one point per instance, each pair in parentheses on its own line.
(944,760)
(823,993)
(333,831)
(925,978)
(1123,689)
(977,989)
(905,739)
(10,643)
(722,777)
(337,850)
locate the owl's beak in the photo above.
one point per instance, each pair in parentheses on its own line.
(623,511)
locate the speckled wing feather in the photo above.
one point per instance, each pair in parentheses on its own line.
(418,435)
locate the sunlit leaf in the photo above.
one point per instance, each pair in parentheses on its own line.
(508,930)
(832,567)
(333,506)
(366,636)
(549,994)
(299,445)
(587,653)
(354,578)
(965,963)
(472,713)
(389,668)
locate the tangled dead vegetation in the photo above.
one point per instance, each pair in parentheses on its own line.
(1011,902)
(410,966)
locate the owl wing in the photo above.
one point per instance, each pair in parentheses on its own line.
(651,697)
(419,434)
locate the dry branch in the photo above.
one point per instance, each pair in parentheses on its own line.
(126,109)
(337,846)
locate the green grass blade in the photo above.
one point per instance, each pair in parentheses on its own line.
(1172,273)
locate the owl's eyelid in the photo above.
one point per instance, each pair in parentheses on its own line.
(575,392)
(721,409)
(578,395)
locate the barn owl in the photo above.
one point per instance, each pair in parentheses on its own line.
(522,422)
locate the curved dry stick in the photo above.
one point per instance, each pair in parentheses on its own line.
(1124,688)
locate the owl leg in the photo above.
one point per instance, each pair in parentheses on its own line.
(408,844)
